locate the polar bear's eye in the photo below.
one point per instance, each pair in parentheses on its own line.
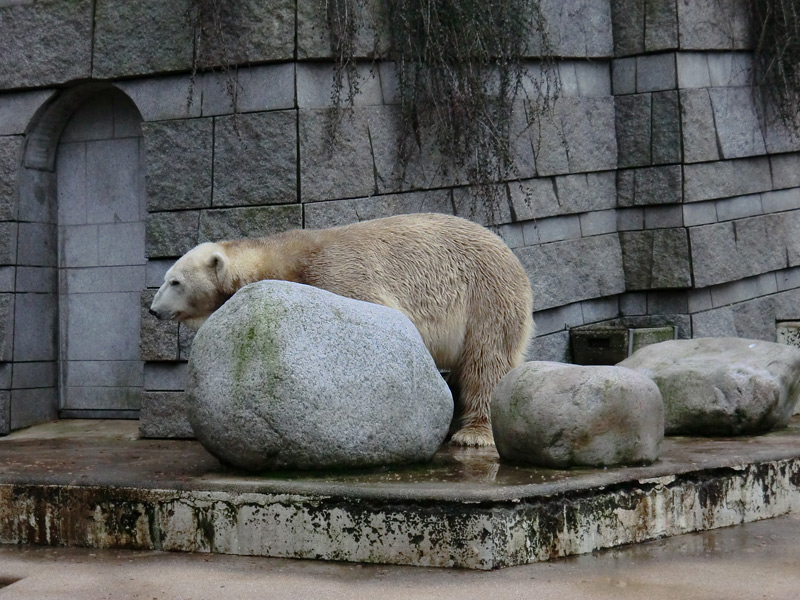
(174,282)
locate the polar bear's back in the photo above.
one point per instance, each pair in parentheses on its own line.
(447,274)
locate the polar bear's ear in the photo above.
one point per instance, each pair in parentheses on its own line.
(218,263)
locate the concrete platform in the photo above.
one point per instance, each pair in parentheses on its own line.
(94,484)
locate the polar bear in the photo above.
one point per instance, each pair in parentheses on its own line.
(460,285)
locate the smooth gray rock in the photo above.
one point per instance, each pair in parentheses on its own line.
(722,386)
(559,415)
(291,376)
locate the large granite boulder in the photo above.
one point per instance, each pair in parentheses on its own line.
(722,386)
(285,376)
(559,415)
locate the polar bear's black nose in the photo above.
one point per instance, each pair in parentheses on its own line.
(154,313)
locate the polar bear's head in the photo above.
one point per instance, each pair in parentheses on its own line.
(194,287)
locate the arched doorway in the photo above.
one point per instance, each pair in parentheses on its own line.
(101,230)
(80,260)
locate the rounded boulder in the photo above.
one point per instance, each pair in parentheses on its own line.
(722,386)
(289,376)
(559,415)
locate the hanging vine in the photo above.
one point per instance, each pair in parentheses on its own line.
(461,70)
(776,31)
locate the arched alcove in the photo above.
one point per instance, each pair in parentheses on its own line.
(80,260)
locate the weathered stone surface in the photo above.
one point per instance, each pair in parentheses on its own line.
(320,215)
(8,243)
(650,186)
(721,25)
(372,35)
(699,133)
(178,159)
(315,87)
(255,159)
(656,259)
(628,17)
(564,272)
(554,347)
(185,339)
(17,109)
(560,416)
(339,167)
(158,340)
(5,412)
(693,70)
(656,72)
(10,160)
(163,415)
(171,233)
(163,98)
(133,38)
(722,386)
(6,326)
(661,26)
(490,211)
(426,167)
(578,28)
(737,123)
(589,130)
(722,179)
(785,170)
(732,250)
(45,43)
(623,76)
(247,33)
(718,322)
(255,221)
(791,224)
(666,133)
(633,128)
(292,376)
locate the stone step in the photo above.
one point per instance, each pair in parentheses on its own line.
(94,484)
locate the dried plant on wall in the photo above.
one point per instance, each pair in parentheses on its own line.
(776,31)
(461,72)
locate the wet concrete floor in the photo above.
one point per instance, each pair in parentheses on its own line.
(751,561)
(109,453)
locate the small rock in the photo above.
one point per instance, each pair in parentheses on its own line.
(722,386)
(559,415)
(285,375)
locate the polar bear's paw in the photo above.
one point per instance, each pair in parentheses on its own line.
(476,435)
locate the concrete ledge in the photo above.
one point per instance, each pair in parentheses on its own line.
(106,489)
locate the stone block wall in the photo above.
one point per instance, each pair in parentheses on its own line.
(656,190)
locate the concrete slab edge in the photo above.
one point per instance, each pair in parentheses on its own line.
(475,535)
